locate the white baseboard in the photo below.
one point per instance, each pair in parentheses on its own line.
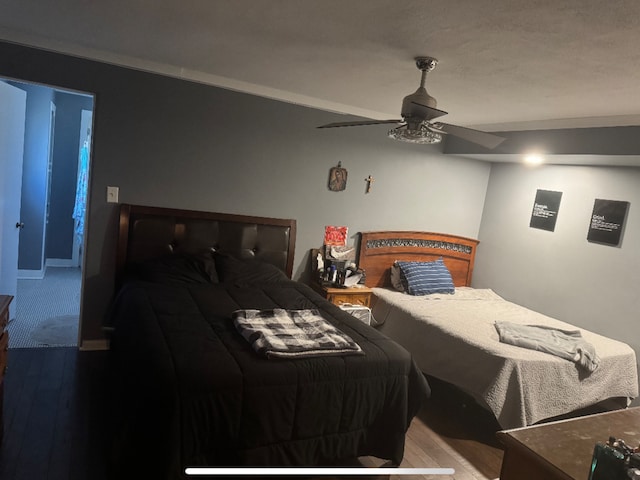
(89,345)
(31,274)
(59,262)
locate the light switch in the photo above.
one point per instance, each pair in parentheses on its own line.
(112,194)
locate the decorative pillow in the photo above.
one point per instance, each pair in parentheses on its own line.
(246,271)
(179,268)
(396,277)
(424,278)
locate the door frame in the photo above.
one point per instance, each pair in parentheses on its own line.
(93,96)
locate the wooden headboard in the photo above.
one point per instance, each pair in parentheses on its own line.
(378,251)
(150,232)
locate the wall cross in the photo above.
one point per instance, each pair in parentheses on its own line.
(369,181)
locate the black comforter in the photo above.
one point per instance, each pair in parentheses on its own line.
(192,391)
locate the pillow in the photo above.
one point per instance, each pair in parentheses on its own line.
(396,277)
(424,278)
(245,271)
(178,268)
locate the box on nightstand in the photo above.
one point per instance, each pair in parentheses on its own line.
(361,312)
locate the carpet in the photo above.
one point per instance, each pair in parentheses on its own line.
(61,330)
(37,300)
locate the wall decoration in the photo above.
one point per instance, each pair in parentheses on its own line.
(369,181)
(337,178)
(545,210)
(335,236)
(607,221)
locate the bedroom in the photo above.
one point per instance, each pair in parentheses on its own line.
(174,143)
(288,179)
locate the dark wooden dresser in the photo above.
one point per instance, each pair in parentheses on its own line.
(5,300)
(562,450)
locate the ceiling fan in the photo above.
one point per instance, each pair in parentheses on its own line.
(418,112)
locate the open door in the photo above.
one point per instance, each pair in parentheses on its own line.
(84,147)
(12,122)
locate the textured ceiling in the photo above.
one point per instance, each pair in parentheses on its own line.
(503,64)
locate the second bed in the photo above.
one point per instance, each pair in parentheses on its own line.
(453,337)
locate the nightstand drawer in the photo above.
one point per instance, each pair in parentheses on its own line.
(351,297)
(338,296)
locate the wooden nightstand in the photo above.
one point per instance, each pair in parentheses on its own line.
(5,300)
(338,296)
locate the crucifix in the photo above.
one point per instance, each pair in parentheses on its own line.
(369,181)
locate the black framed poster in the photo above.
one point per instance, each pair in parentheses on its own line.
(607,221)
(545,210)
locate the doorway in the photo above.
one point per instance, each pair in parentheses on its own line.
(55,173)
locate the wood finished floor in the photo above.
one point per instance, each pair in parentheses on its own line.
(56,423)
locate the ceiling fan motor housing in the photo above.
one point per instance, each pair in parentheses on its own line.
(410,112)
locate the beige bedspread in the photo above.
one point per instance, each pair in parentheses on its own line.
(453,338)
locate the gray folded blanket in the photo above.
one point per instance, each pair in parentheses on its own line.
(567,344)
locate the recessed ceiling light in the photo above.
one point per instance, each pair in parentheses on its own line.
(533,158)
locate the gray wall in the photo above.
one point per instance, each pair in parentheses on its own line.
(173,143)
(560,273)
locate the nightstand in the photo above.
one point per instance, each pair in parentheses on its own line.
(338,296)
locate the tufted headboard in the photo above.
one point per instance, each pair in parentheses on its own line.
(149,232)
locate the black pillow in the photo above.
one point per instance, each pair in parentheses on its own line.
(179,268)
(246,271)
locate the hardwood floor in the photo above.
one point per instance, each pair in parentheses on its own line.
(453,431)
(56,423)
(54,415)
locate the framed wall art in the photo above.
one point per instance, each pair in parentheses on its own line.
(545,210)
(607,221)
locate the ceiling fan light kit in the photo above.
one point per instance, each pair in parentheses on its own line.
(421,135)
(418,111)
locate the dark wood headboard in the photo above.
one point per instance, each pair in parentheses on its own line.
(378,251)
(150,232)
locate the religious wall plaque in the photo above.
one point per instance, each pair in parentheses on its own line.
(337,178)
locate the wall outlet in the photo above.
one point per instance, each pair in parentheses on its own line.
(112,194)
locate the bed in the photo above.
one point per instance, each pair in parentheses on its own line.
(453,337)
(191,390)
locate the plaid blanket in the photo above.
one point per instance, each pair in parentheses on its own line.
(281,333)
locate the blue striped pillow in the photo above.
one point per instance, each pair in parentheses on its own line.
(425,278)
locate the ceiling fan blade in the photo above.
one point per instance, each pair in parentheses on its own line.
(487,140)
(358,124)
(429,113)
